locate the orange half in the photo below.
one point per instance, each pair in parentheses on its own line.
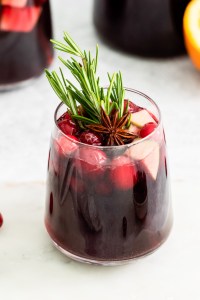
(191,30)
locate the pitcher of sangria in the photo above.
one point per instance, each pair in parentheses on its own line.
(151,28)
(25,50)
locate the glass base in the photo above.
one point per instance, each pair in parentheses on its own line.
(106,263)
(110,262)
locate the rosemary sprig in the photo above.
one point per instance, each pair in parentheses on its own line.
(118,92)
(90,95)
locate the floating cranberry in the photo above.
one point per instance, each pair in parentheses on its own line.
(147,129)
(65,116)
(90,162)
(132,108)
(67,126)
(90,138)
(66,145)
(123,173)
(1,220)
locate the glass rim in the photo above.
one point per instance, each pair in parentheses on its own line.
(115,146)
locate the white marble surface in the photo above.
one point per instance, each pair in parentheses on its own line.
(30,267)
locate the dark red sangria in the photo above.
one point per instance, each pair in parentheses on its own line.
(25,30)
(143,27)
(108,190)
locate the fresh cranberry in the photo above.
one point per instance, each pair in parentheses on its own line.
(147,129)
(65,116)
(61,146)
(1,220)
(90,162)
(66,146)
(123,174)
(68,127)
(90,138)
(132,108)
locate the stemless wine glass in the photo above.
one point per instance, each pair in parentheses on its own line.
(25,30)
(108,204)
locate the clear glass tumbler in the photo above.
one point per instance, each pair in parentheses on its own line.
(25,49)
(108,205)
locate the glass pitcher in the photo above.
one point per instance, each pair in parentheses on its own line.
(143,27)
(25,50)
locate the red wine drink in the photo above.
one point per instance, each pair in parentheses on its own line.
(143,27)
(109,204)
(25,50)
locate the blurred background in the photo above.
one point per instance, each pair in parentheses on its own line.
(154,62)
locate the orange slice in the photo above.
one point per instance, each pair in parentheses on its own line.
(191,29)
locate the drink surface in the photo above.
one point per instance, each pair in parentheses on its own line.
(25,30)
(149,28)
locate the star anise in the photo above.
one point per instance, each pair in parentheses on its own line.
(113,129)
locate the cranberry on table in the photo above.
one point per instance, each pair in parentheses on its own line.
(90,138)
(1,220)
(147,129)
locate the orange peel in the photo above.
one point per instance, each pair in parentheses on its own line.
(191,30)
